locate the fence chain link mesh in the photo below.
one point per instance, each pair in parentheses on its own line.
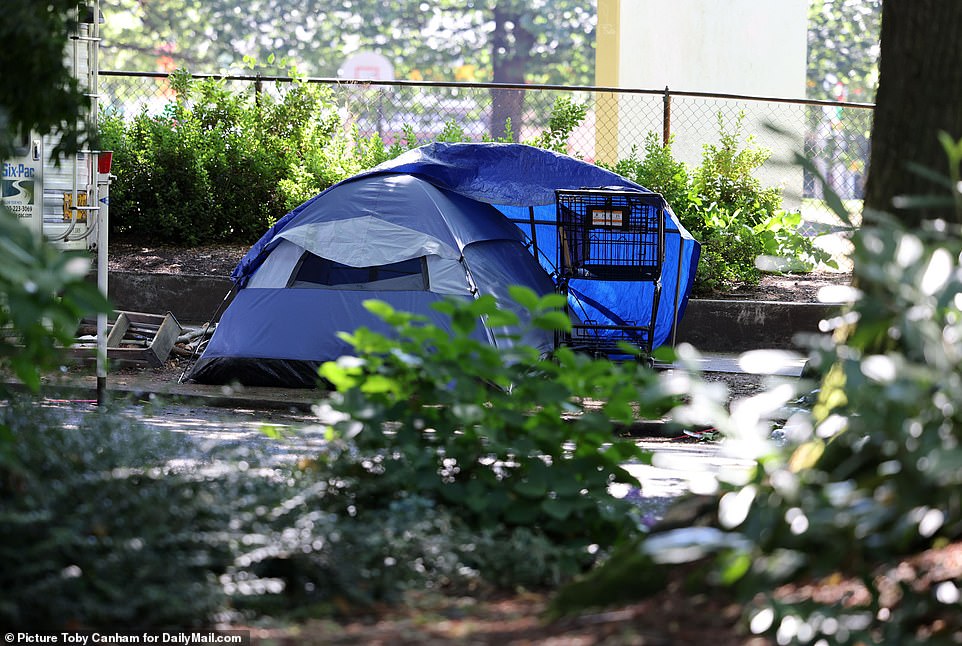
(834,137)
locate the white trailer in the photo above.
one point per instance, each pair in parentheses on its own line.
(64,200)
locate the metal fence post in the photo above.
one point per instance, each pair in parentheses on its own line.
(666,119)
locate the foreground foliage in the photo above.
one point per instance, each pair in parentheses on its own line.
(98,532)
(216,165)
(450,465)
(38,92)
(865,490)
(43,295)
(875,467)
(502,437)
(111,525)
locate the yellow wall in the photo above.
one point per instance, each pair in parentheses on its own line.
(607,71)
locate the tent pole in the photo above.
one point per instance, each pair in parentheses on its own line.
(207,325)
(475,292)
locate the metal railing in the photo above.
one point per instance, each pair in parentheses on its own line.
(834,136)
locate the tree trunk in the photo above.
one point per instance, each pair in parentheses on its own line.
(919,95)
(510,49)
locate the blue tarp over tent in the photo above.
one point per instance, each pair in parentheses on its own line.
(438,221)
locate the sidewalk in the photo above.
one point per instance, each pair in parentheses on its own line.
(147,385)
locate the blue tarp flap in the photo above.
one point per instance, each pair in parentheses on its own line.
(503,174)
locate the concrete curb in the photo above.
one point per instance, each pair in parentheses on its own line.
(709,325)
(739,326)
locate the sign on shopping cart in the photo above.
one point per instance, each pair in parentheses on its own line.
(607,217)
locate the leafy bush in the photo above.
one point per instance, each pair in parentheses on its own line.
(442,471)
(790,251)
(728,199)
(725,177)
(729,251)
(725,208)
(446,475)
(219,166)
(566,115)
(875,466)
(497,436)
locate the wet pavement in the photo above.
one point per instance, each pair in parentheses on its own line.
(679,464)
(278,423)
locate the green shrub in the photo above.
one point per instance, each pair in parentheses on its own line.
(729,250)
(875,465)
(566,115)
(780,238)
(452,466)
(108,524)
(218,166)
(724,206)
(497,436)
(726,176)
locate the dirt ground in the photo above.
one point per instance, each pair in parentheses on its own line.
(676,616)
(213,260)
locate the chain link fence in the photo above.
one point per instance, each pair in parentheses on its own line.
(833,136)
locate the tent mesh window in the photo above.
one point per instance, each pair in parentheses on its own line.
(610,235)
(317,272)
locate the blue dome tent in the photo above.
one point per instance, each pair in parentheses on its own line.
(440,221)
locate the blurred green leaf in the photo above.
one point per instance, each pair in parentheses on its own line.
(552,320)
